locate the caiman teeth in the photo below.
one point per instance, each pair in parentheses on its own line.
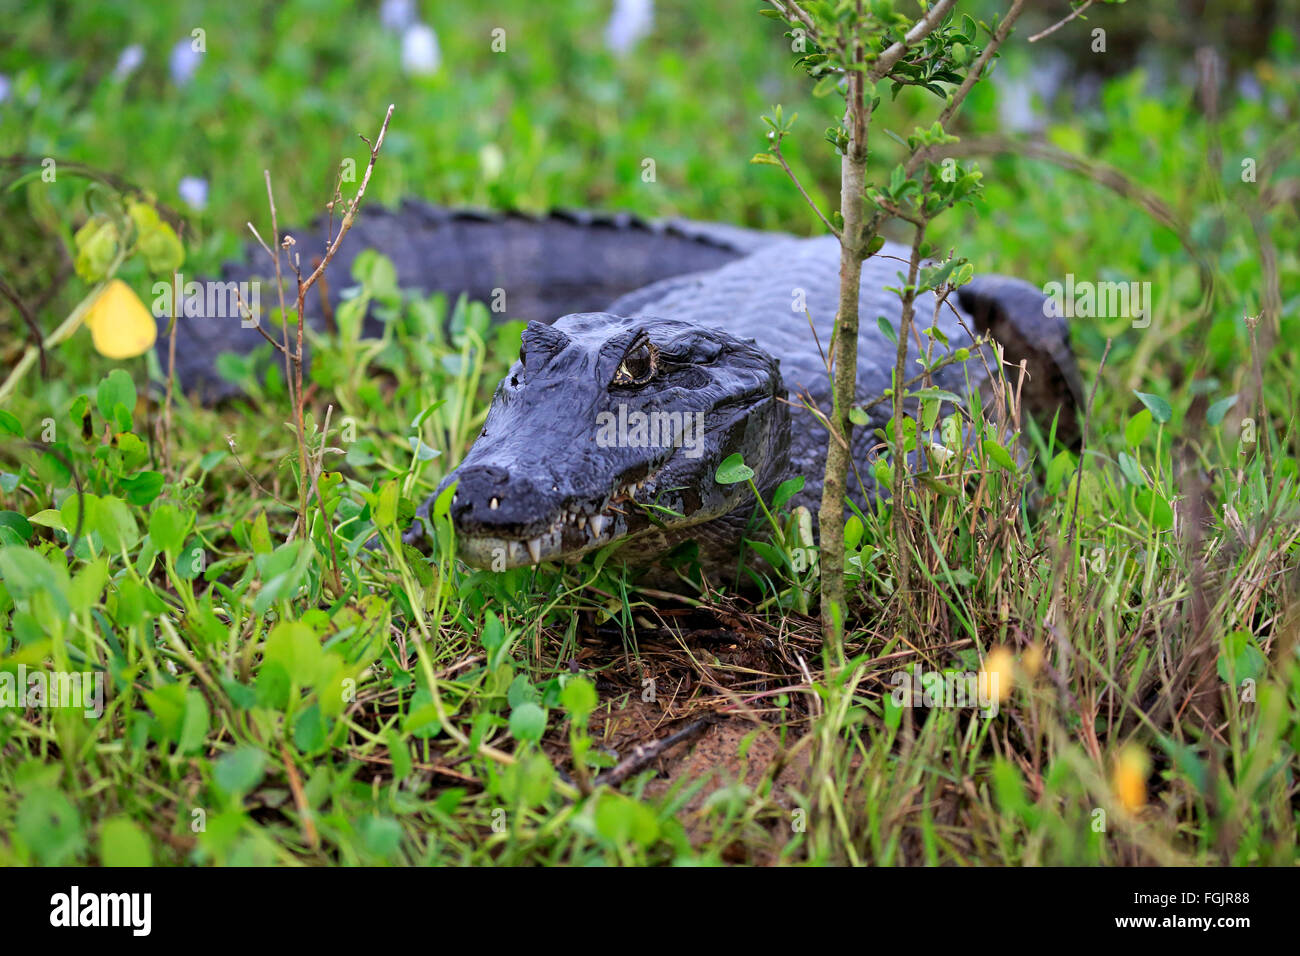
(598,524)
(535,550)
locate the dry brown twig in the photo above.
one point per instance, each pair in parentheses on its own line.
(1077,11)
(293,352)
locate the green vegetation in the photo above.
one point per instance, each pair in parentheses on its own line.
(280,694)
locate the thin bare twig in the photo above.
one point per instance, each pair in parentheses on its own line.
(780,158)
(29,320)
(1077,11)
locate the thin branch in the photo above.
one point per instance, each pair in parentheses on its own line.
(776,151)
(1060,23)
(354,204)
(643,754)
(30,321)
(977,68)
(792,11)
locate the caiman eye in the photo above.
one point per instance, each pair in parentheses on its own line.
(638,365)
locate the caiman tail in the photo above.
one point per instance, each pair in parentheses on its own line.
(537,267)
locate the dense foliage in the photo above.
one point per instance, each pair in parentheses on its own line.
(326,695)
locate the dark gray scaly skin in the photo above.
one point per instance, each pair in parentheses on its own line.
(697,320)
(549,266)
(537,486)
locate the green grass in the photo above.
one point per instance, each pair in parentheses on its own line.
(316,701)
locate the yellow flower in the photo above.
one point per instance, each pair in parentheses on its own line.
(120,326)
(1130,777)
(1000,672)
(1033,659)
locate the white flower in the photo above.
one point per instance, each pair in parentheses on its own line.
(492,161)
(630,21)
(942,453)
(194,191)
(420,55)
(397,15)
(184,61)
(129,61)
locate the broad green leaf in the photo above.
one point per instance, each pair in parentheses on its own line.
(382,835)
(1240,659)
(733,470)
(115,389)
(1220,408)
(283,572)
(622,820)
(309,729)
(1131,469)
(50,826)
(122,843)
(1153,508)
(194,723)
(295,647)
(168,527)
(528,722)
(239,771)
(853,531)
(999,455)
(1160,408)
(579,698)
(27,574)
(1137,428)
(87,585)
(143,488)
(385,513)
(115,524)
(20,526)
(9,425)
(787,490)
(422,451)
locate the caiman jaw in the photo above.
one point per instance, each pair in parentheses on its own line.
(574,532)
(610,430)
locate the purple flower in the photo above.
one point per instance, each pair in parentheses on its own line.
(420,54)
(129,61)
(397,15)
(184,61)
(630,21)
(194,191)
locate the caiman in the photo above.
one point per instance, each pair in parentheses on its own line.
(653,352)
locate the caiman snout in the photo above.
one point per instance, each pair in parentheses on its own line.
(610,429)
(490,499)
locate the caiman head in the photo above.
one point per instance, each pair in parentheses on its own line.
(611,428)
